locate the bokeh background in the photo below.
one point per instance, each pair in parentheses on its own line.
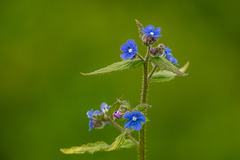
(44,45)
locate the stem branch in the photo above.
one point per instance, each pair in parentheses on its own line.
(140,57)
(122,130)
(153,70)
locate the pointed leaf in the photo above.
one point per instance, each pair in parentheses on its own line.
(123,65)
(95,147)
(163,76)
(128,144)
(140,29)
(163,63)
(118,142)
(87,148)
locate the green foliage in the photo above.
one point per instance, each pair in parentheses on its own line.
(142,107)
(114,107)
(96,147)
(118,142)
(164,75)
(140,29)
(163,63)
(89,148)
(98,117)
(119,66)
(119,105)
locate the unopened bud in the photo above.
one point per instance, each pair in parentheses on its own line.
(98,124)
(147,40)
(153,50)
(118,114)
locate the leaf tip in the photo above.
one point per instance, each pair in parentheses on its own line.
(63,150)
(85,74)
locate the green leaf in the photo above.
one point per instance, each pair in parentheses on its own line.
(119,105)
(163,63)
(140,29)
(128,144)
(163,76)
(87,148)
(125,104)
(114,107)
(142,107)
(119,66)
(98,116)
(95,147)
(118,142)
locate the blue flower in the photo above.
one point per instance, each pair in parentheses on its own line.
(171,58)
(167,50)
(149,31)
(104,107)
(129,49)
(89,115)
(135,119)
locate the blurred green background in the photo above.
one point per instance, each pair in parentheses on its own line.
(44,45)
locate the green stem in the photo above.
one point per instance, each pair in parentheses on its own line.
(153,70)
(142,146)
(122,130)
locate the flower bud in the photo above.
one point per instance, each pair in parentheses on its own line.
(148,40)
(153,50)
(98,124)
(118,114)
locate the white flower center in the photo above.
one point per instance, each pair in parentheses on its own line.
(152,33)
(105,110)
(134,118)
(130,50)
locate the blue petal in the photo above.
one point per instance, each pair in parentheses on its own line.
(134,48)
(169,56)
(129,124)
(90,113)
(128,115)
(124,48)
(141,118)
(90,125)
(158,31)
(97,112)
(137,125)
(104,105)
(136,113)
(158,35)
(167,50)
(124,55)
(131,43)
(150,28)
(146,31)
(131,55)
(175,61)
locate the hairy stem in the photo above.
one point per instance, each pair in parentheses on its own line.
(142,151)
(140,57)
(122,130)
(153,70)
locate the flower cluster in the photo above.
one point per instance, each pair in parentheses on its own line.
(134,118)
(170,57)
(95,122)
(150,36)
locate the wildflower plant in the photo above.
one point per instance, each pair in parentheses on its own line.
(162,64)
